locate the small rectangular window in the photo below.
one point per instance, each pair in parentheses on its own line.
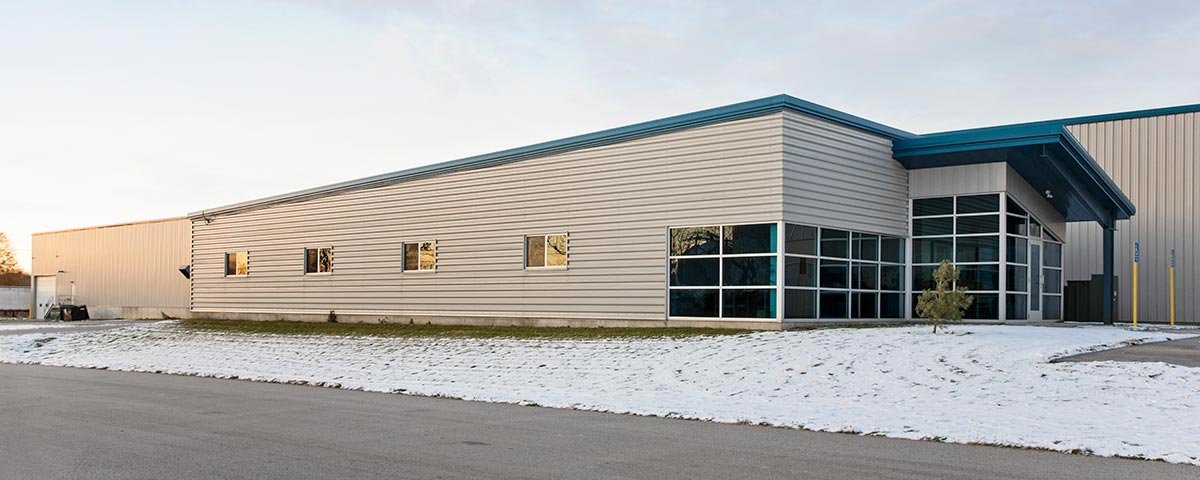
(546,251)
(834,274)
(979,203)
(933,250)
(891,250)
(977,249)
(1015,208)
(237,264)
(933,206)
(695,241)
(800,303)
(318,260)
(748,303)
(695,272)
(978,224)
(1018,250)
(835,243)
(695,303)
(834,304)
(933,226)
(801,239)
(865,247)
(800,272)
(749,271)
(420,256)
(750,239)
(1017,225)
(1052,255)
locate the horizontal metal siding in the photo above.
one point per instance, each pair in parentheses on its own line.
(615,202)
(957,180)
(1154,161)
(131,265)
(836,176)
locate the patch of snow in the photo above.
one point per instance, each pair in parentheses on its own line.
(54,326)
(981,384)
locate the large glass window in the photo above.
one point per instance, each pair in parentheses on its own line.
(730,271)
(967,235)
(840,274)
(1031,280)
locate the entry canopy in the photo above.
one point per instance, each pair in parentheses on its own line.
(1046,155)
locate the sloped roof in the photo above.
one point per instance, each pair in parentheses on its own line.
(1044,153)
(727,113)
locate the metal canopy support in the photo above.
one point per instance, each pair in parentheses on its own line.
(1106,309)
(1098,211)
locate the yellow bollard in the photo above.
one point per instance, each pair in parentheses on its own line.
(1137,254)
(1172,272)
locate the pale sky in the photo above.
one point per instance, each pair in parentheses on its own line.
(117,111)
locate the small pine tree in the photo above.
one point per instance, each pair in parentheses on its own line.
(944,303)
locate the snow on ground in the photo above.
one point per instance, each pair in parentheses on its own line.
(983,384)
(54,326)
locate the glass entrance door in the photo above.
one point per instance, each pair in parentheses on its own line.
(1035,279)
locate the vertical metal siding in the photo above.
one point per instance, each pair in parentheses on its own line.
(614,201)
(836,176)
(124,266)
(1154,161)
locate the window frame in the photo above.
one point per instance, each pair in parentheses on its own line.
(853,264)
(721,288)
(404,257)
(304,261)
(546,251)
(246,253)
(1012,211)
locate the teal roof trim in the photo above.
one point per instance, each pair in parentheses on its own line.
(737,111)
(1103,117)
(1023,146)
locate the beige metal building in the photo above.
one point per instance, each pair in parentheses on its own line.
(128,270)
(764,214)
(1154,156)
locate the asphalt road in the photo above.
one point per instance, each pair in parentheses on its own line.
(1185,352)
(60,423)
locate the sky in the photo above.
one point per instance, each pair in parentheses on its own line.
(114,111)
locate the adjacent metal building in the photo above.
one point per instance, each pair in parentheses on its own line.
(765,214)
(128,270)
(1153,156)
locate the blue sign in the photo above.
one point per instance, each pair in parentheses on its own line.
(1172,258)
(1137,252)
